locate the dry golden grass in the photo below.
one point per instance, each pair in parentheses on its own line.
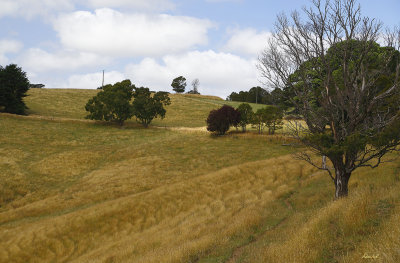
(171,223)
(66,103)
(186,110)
(79,191)
(384,245)
(364,224)
(92,193)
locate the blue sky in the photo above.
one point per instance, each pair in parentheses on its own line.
(67,43)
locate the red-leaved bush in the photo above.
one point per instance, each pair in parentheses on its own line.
(220,120)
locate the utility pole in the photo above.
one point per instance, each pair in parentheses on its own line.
(256,95)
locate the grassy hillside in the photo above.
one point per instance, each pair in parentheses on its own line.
(185,110)
(80,191)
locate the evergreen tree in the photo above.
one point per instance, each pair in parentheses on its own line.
(179,84)
(13,87)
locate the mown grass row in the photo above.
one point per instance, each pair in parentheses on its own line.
(73,188)
(359,228)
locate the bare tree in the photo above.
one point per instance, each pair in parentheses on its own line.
(195,85)
(344,84)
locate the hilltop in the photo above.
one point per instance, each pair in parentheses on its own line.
(75,190)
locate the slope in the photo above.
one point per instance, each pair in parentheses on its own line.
(81,191)
(186,110)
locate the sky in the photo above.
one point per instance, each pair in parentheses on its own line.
(68,43)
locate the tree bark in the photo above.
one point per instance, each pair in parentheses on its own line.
(341,183)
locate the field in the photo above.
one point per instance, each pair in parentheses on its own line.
(185,110)
(75,190)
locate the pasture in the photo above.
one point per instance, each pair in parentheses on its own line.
(186,110)
(75,190)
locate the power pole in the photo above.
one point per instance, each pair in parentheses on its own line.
(256,95)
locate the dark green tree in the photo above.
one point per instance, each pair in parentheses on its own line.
(112,103)
(260,118)
(36,86)
(342,82)
(246,115)
(147,106)
(179,84)
(220,120)
(273,118)
(277,98)
(257,95)
(13,87)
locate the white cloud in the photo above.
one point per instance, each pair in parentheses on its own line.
(91,80)
(38,60)
(155,5)
(247,42)
(112,33)
(219,73)
(45,8)
(8,46)
(30,8)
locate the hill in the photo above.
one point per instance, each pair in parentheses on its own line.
(187,110)
(80,191)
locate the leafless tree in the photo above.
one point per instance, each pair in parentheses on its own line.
(344,85)
(195,85)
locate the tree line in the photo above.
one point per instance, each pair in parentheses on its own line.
(280,97)
(220,120)
(258,95)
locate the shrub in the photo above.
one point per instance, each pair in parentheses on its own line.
(220,120)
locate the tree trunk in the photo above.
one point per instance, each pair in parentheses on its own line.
(341,183)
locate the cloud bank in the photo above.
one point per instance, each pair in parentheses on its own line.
(109,32)
(131,39)
(219,73)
